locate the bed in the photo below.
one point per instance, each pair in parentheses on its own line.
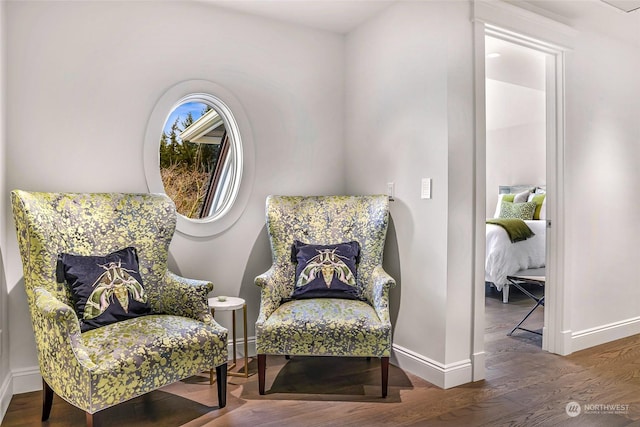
(504,258)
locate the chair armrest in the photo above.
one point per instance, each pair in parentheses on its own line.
(273,290)
(186,297)
(62,330)
(378,292)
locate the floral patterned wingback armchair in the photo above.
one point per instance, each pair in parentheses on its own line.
(316,227)
(100,367)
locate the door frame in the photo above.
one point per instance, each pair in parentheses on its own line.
(511,23)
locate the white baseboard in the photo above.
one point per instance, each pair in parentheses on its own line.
(29,379)
(478,365)
(604,334)
(564,345)
(26,380)
(251,344)
(19,381)
(6,393)
(444,376)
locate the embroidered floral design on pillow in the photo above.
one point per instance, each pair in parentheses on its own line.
(116,283)
(329,264)
(326,271)
(105,288)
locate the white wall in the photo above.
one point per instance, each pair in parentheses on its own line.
(409,102)
(602,171)
(515,156)
(515,118)
(83,78)
(5,376)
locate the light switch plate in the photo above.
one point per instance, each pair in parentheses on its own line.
(425,190)
(390,189)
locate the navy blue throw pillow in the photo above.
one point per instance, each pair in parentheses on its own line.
(105,289)
(325,271)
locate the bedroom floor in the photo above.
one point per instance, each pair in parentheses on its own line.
(500,318)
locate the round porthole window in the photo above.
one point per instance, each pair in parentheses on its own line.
(195,153)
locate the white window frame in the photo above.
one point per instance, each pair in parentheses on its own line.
(238,179)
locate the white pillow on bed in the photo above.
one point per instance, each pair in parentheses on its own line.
(497,213)
(522,197)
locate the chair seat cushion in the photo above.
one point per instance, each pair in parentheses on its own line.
(153,350)
(324,327)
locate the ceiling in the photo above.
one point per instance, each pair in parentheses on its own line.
(516,79)
(338,16)
(342,16)
(624,5)
(596,15)
(515,64)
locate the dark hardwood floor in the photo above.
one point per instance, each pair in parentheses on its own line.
(524,386)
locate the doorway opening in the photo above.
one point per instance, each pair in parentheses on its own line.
(516,186)
(553,39)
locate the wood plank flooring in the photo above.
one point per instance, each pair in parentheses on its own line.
(524,386)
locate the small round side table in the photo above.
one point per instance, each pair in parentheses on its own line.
(232,304)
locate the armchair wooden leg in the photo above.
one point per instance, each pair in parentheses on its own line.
(47,400)
(262,367)
(221,378)
(384,365)
(90,422)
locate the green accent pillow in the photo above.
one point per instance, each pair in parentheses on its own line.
(538,199)
(508,197)
(517,210)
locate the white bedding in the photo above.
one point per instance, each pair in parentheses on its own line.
(504,258)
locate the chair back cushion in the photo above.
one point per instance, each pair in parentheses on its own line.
(327,220)
(91,224)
